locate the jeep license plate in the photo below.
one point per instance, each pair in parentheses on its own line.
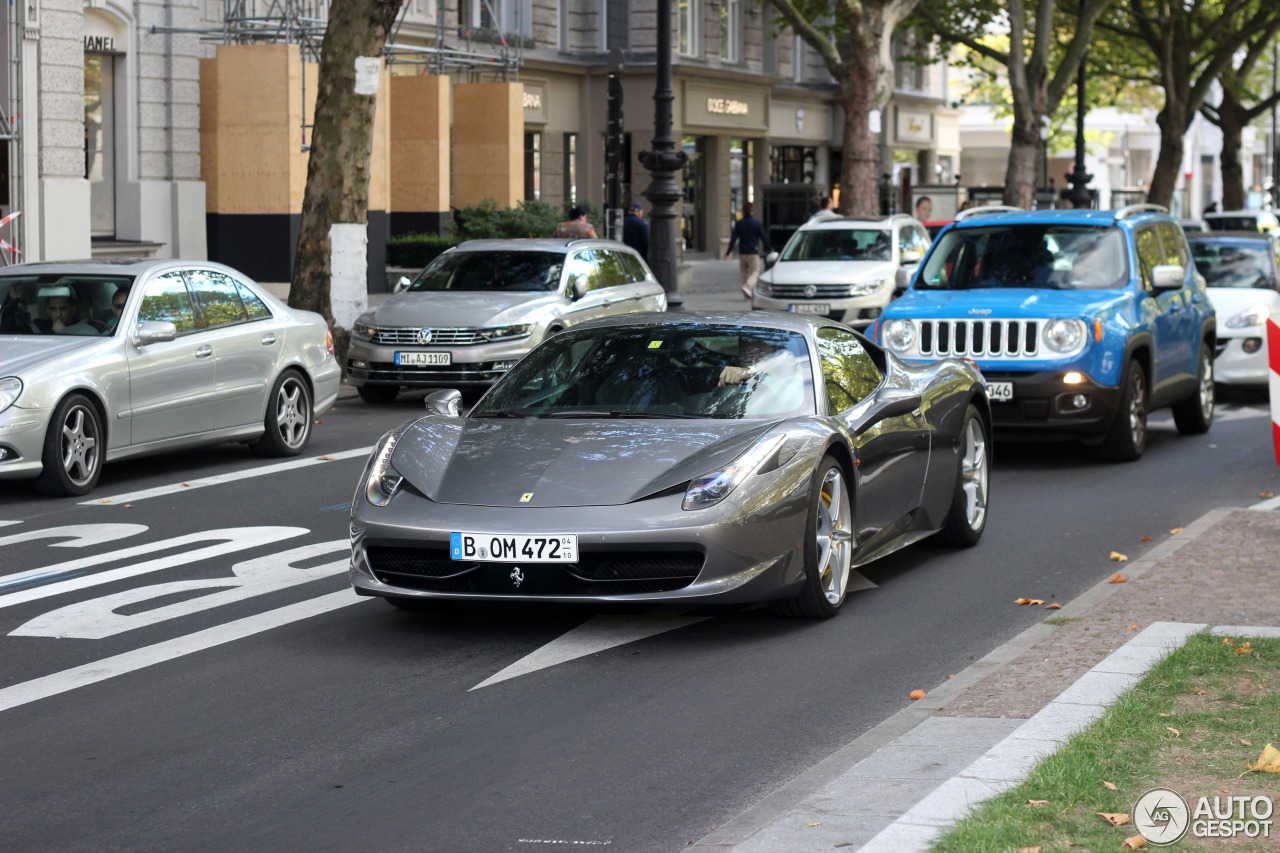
(1000,392)
(815,308)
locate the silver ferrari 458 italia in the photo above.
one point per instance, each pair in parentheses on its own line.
(706,457)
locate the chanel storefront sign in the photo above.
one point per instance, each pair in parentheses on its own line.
(99,44)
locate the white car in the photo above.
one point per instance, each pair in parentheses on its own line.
(1242,271)
(845,268)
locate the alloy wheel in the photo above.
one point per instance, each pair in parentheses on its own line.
(1137,409)
(80,448)
(293,413)
(834,537)
(973,474)
(1206,386)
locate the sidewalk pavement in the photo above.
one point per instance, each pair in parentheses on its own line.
(900,785)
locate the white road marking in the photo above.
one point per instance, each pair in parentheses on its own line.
(97,617)
(1240,414)
(80,535)
(596,635)
(7,523)
(219,479)
(91,673)
(232,539)
(1269,503)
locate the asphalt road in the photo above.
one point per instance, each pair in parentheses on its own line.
(165,688)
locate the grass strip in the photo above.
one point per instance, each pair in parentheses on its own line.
(1192,724)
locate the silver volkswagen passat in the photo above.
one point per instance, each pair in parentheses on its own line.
(104,360)
(479,307)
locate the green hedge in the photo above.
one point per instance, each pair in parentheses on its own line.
(417,250)
(483,221)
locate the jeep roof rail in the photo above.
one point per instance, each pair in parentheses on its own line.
(985,209)
(1135,209)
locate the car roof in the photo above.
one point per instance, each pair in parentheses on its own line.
(535,244)
(800,323)
(107,266)
(845,223)
(1231,236)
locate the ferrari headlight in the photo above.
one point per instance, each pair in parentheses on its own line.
(506,333)
(900,335)
(710,489)
(10,388)
(364,331)
(1064,336)
(383,481)
(1255,316)
(865,288)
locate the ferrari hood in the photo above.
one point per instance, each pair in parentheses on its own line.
(466,309)
(595,462)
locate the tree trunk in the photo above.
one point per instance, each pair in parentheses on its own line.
(1021,174)
(337,190)
(859,166)
(1232,119)
(1173,124)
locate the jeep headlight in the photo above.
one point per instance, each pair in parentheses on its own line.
(865,288)
(506,333)
(10,388)
(1255,316)
(900,335)
(1064,336)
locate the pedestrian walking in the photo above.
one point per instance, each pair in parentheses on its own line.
(576,227)
(635,231)
(750,238)
(826,210)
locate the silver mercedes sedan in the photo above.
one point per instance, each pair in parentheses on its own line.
(103,360)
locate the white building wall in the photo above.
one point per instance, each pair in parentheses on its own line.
(63,218)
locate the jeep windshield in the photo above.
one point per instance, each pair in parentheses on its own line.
(490,271)
(840,244)
(1054,257)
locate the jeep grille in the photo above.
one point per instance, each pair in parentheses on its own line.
(980,338)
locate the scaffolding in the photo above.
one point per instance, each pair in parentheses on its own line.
(11,129)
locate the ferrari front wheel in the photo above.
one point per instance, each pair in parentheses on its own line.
(828,547)
(967,517)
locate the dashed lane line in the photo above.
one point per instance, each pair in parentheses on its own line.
(219,479)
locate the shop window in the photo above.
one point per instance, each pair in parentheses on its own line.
(907,75)
(687,13)
(794,164)
(730,30)
(615,24)
(532,165)
(505,16)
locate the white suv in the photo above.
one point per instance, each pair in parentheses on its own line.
(843,267)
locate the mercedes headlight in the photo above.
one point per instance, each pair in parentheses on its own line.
(710,489)
(1255,316)
(1064,336)
(900,335)
(382,481)
(364,330)
(865,288)
(10,388)
(506,333)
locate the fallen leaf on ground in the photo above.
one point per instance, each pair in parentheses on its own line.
(1197,690)
(320,421)
(1176,733)
(950,676)
(1175,531)
(108,500)
(1165,715)
(128,506)
(1111,785)
(1036,601)
(1113,818)
(1265,495)
(1022,601)
(1245,648)
(325,458)
(1228,641)
(1028,850)
(1134,842)
(1147,539)
(186,484)
(1246,742)
(815,823)
(1268,762)
(1117,578)
(917,694)
(1131,627)
(1037,802)
(1118,557)
(1053,607)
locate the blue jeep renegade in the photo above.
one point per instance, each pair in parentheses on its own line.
(1082,321)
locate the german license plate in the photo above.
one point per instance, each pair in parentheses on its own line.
(423,359)
(810,308)
(509,548)
(1000,392)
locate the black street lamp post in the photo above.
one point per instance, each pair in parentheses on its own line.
(1078,195)
(664,161)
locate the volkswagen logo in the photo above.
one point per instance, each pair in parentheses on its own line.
(424,336)
(810,291)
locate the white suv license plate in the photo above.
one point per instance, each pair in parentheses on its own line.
(1000,392)
(820,308)
(423,359)
(510,548)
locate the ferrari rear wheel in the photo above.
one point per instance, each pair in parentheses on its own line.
(828,547)
(967,517)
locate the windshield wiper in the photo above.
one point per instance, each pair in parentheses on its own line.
(618,413)
(655,415)
(500,414)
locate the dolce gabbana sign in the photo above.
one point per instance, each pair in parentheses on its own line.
(728,107)
(710,106)
(534,101)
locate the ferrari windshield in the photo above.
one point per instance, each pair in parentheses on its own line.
(491,270)
(840,244)
(670,371)
(1058,257)
(1235,263)
(55,304)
